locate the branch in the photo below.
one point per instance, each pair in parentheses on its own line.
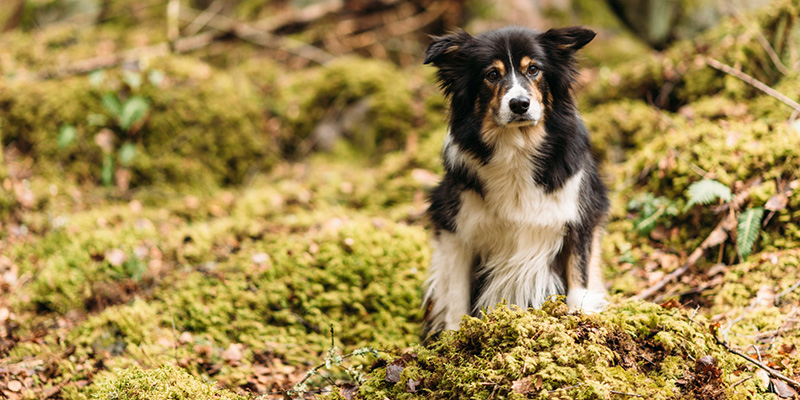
(262,38)
(717,236)
(754,82)
(761,365)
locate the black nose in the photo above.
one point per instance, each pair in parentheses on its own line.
(519,105)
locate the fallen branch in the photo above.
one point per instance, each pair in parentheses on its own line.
(753,82)
(790,289)
(717,236)
(262,38)
(774,373)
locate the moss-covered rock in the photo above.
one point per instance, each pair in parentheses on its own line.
(203,127)
(635,348)
(373,104)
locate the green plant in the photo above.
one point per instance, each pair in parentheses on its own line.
(747,229)
(748,222)
(652,211)
(128,113)
(334,358)
(706,191)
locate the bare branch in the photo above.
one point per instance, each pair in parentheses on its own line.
(753,82)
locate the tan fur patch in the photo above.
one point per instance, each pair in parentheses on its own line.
(500,67)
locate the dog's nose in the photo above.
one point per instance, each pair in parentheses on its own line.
(519,105)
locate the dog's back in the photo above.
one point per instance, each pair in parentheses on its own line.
(518,213)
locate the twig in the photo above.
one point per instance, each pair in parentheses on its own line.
(625,394)
(741,381)
(566,388)
(263,38)
(762,40)
(754,82)
(787,291)
(202,20)
(173,12)
(717,236)
(758,352)
(761,365)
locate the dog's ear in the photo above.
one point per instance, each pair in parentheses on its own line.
(443,48)
(569,40)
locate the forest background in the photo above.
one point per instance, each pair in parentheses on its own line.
(224,199)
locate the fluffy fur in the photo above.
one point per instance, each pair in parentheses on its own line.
(518,214)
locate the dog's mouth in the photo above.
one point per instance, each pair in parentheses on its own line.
(519,121)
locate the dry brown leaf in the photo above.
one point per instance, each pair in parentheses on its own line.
(15,386)
(116,257)
(777,202)
(782,389)
(348,391)
(233,353)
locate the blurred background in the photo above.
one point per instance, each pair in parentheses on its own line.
(213,184)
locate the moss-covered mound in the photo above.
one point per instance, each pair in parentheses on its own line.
(164,383)
(195,125)
(635,349)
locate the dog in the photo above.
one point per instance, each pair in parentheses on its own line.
(519,212)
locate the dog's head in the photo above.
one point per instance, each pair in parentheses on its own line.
(509,77)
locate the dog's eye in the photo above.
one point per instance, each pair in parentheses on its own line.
(493,75)
(533,70)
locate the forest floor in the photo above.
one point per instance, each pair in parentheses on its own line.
(239,290)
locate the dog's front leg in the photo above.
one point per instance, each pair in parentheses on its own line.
(585,288)
(448,288)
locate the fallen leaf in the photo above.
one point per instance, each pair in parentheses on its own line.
(522,386)
(186,337)
(348,391)
(777,202)
(15,386)
(671,303)
(763,377)
(782,389)
(233,353)
(393,373)
(411,386)
(116,257)
(260,258)
(105,140)
(51,391)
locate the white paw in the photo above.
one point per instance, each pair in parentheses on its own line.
(586,301)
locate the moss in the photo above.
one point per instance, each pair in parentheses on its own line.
(368,102)
(634,348)
(680,75)
(165,382)
(184,138)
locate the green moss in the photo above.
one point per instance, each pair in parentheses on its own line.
(680,75)
(185,137)
(633,347)
(368,102)
(165,382)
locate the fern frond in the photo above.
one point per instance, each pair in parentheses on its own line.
(706,191)
(747,230)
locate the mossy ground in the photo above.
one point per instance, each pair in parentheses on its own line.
(223,266)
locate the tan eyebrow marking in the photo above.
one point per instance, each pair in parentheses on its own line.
(527,62)
(499,66)
(524,63)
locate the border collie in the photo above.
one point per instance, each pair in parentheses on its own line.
(519,213)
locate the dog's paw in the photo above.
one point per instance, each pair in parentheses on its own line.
(586,301)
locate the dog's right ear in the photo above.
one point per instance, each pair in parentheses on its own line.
(443,48)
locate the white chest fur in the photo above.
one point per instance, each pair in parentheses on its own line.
(517,228)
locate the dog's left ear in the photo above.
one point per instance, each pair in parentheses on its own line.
(569,39)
